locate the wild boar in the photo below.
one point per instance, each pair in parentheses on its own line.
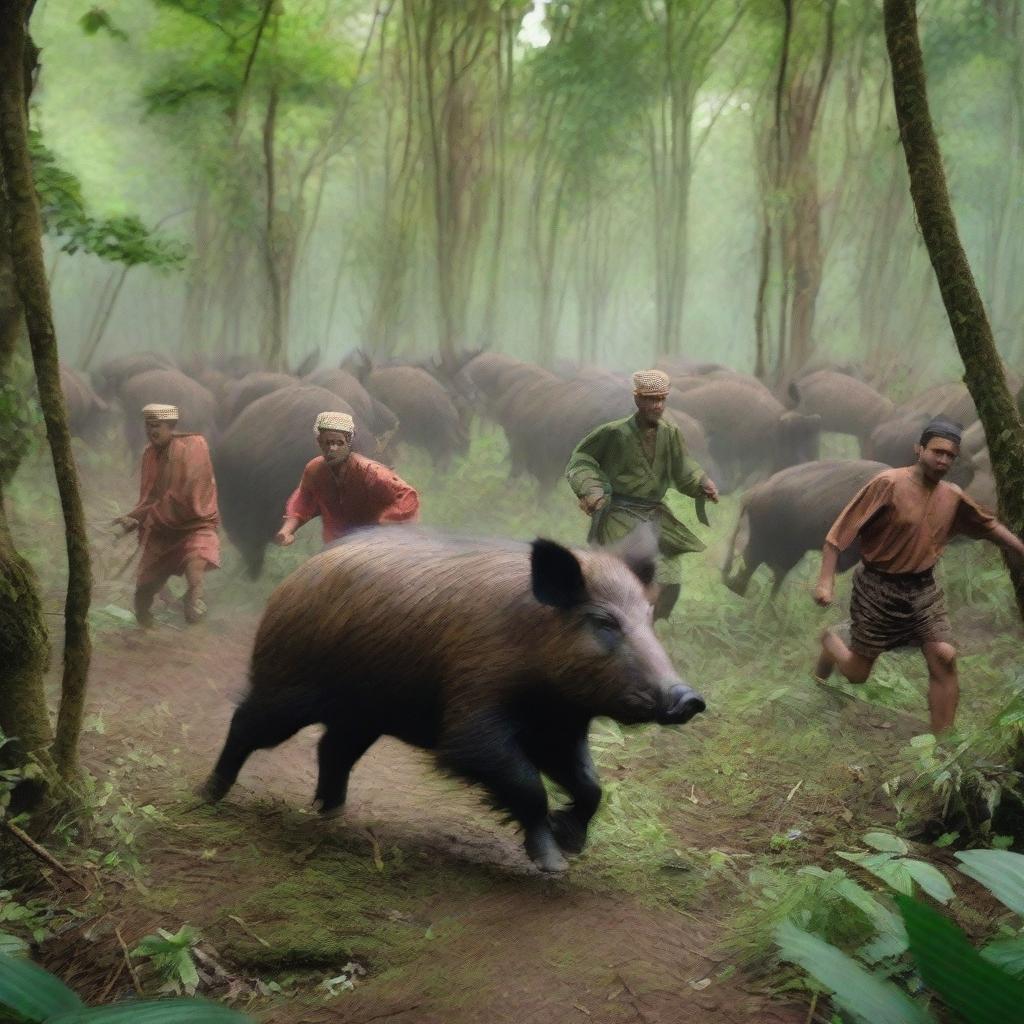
(789,514)
(493,654)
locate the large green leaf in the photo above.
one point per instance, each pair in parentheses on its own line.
(1007,954)
(891,939)
(930,878)
(12,945)
(886,842)
(1000,871)
(32,992)
(971,986)
(154,1011)
(889,869)
(860,993)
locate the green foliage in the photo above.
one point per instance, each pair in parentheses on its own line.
(967,782)
(171,955)
(899,871)
(966,982)
(21,419)
(38,997)
(11,778)
(66,217)
(96,19)
(1000,871)
(982,986)
(868,997)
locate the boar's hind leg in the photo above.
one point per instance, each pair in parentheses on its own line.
(339,749)
(566,760)
(253,727)
(492,757)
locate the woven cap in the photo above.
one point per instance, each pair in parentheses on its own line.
(650,382)
(156,411)
(942,426)
(334,421)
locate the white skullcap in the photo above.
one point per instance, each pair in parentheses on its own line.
(650,382)
(156,411)
(334,421)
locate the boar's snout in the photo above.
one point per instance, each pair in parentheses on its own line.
(681,704)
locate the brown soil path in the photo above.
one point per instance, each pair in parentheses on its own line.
(520,948)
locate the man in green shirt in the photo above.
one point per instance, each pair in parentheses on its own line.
(621,471)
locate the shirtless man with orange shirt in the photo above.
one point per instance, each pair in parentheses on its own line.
(904,518)
(346,490)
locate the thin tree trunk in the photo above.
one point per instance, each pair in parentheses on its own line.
(275,348)
(25,242)
(983,374)
(101,328)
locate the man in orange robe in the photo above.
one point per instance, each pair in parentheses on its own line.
(346,490)
(176,514)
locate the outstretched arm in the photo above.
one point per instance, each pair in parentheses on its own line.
(587,479)
(300,508)
(1006,539)
(687,475)
(824,592)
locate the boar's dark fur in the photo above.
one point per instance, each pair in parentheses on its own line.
(495,655)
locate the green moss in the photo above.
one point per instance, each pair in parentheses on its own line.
(337,910)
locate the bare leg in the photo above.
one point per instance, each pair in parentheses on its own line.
(943,684)
(144,594)
(835,654)
(195,606)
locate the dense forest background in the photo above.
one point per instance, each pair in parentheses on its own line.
(601,180)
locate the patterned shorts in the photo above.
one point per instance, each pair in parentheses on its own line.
(889,610)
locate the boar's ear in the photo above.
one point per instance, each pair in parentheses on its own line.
(639,550)
(555,575)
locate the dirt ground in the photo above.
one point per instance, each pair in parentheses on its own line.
(453,922)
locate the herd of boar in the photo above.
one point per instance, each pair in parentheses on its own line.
(496,656)
(258,427)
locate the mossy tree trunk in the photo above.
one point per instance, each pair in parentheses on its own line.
(24,645)
(983,374)
(24,247)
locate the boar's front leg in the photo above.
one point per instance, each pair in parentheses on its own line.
(487,752)
(341,745)
(562,753)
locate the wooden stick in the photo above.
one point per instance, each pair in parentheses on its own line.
(43,854)
(110,984)
(248,931)
(128,963)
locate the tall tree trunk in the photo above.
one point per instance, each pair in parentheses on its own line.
(983,374)
(26,250)
(24,643)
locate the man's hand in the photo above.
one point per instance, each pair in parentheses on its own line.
(593,502)
(824,593)
(710,489)
(284,537)
(126,523)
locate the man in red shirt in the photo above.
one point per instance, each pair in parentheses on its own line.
(176,514)
(346,490)
(904,518)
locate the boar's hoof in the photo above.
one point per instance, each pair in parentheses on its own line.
(570,833)
(328,813)
(544,852)
(213,789)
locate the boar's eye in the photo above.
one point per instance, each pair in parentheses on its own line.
(606,628)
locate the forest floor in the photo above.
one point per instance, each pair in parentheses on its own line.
(418,904)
